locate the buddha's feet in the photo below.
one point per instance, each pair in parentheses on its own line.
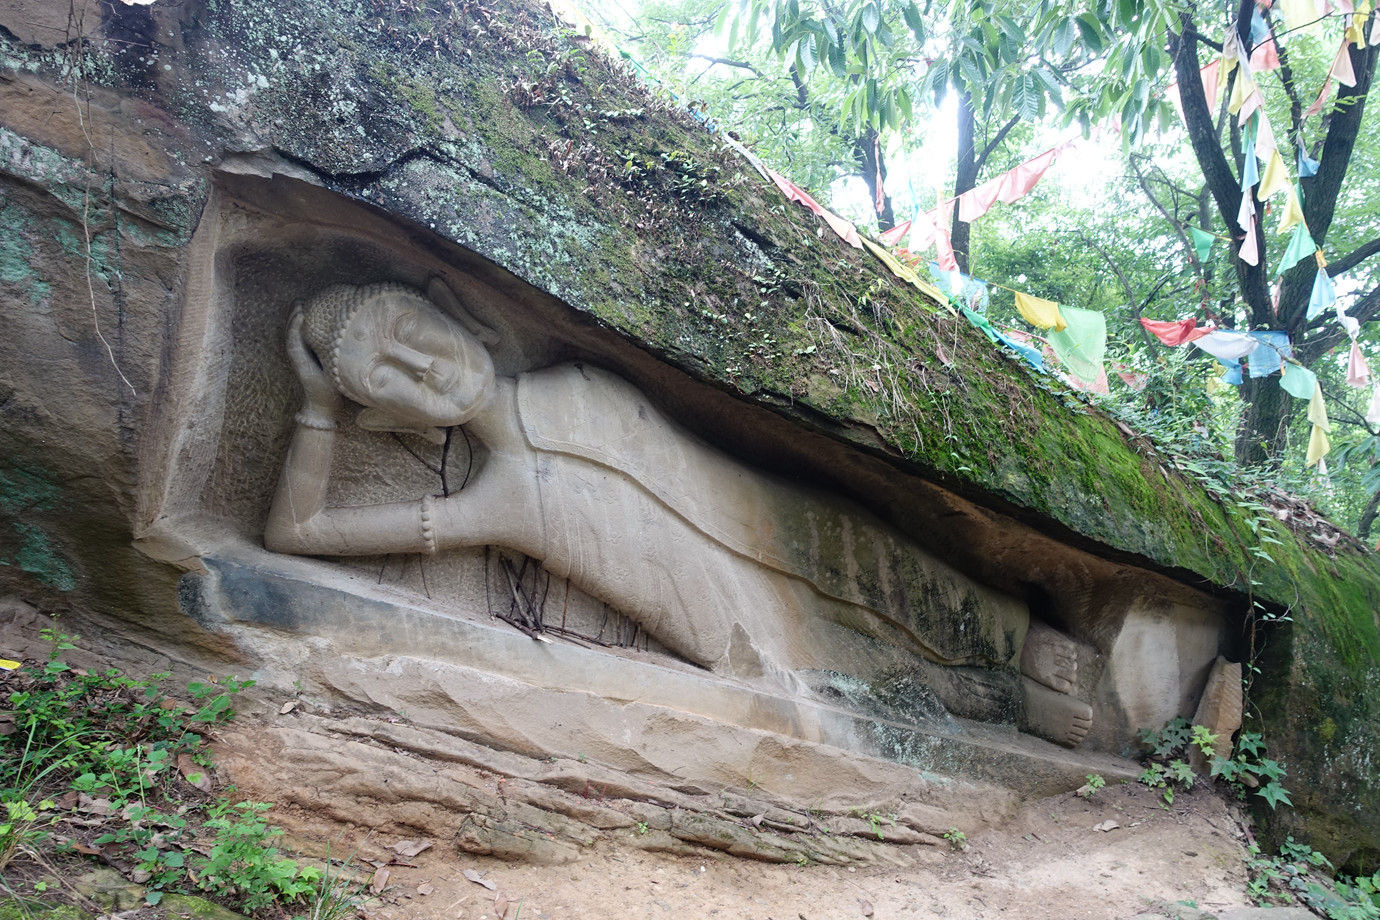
(1049,657)
(1054,716)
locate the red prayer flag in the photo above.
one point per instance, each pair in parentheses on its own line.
(1180,332)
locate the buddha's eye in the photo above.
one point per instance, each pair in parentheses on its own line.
(379,376)
(405,327)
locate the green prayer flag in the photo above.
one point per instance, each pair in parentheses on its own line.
(977,319)
(1301,246)
(1082,345)
(1297,380)
(1202,243)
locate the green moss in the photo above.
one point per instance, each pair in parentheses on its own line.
(24,544)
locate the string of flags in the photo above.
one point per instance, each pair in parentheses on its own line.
(1077,337)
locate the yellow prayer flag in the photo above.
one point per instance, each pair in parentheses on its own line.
(7,665)
(1318,446)
(1317,409)
(1357,31)
(904,272)
(1299,13)
(1292,215)
(1275,178)
(1041,313)
(1241,91)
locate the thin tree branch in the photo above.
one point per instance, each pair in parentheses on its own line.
(996,141)
(743,65)
(1354,258)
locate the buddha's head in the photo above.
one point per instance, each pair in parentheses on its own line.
(391,349)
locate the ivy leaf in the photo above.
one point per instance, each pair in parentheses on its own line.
(1274,793)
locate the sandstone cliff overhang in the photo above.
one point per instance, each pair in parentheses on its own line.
(497,130)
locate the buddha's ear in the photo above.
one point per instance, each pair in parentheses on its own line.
(441,295)
(378,420)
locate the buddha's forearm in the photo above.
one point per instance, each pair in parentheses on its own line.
(363,530)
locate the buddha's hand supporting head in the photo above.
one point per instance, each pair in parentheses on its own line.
(321,398)
(389,348)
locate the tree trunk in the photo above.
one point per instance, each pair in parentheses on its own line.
(867,150)
(965,179)
(1265,423)
(1368,516)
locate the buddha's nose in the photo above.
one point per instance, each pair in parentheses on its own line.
(417,362)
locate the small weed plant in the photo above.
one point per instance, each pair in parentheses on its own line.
(1300,873)
(957,839)
(124,764)
(1089,788)
(1245,769)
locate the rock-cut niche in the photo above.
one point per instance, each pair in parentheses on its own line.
(411,415)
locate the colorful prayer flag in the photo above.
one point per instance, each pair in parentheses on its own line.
(1227,344)
(1179,332)
(1202,243)
(1318,445)
(1324,293)
(1274,349)
(1041,313)
(1297,380)
(1082,343)
(1357,373)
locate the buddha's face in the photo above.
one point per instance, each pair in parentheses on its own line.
(416,366)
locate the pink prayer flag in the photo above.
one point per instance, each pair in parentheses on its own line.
(1179,332)
(1209,74)
(1250,247)
(1265,56)
(976,202)
(945,251)
(1018,182)
(1344,6)
(923,233)
(846,231)
(1255,102)
(1357,374)
(1099,386)
(1317,105)
(896,233)
(1341,70)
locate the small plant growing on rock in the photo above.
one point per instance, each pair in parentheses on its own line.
(1089,789)
(957,839)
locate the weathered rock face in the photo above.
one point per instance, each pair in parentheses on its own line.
(753,489)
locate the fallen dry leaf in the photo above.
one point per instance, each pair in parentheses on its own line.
(479,879)
(425,890)
(410,848)
(193,772)
(95,806)
(500,904)
(379,881)
(866,907)
(1108,825)
(288,707)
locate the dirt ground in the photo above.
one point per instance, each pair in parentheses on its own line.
(1051,861)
